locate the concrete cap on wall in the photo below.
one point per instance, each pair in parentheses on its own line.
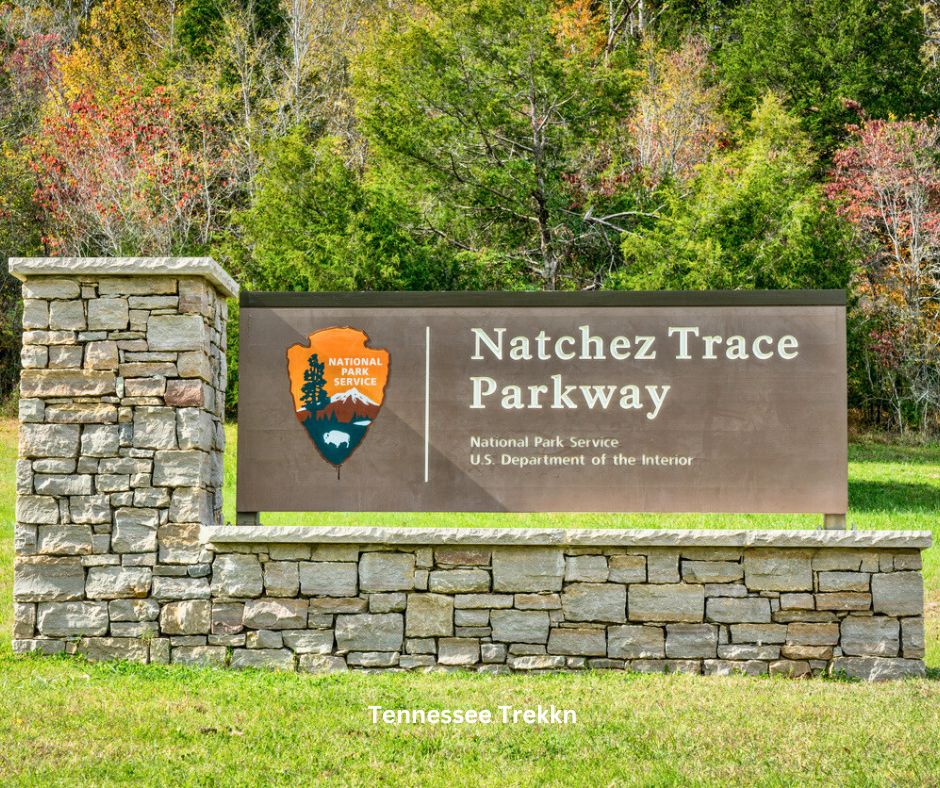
(25,267)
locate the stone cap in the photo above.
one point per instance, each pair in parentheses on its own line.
(571,537)
(25,267)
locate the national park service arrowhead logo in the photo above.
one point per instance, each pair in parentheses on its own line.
(338,386)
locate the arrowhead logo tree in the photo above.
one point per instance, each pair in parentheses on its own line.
(338,385)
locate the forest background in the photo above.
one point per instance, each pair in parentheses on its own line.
(494,144)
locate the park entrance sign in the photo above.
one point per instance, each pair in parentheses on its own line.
(655,402)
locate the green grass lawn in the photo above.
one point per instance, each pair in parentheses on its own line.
(64,721)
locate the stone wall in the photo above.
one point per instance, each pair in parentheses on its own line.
(119,483)
(120,449)
(695,606)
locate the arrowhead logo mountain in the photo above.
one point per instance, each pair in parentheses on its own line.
(338,385)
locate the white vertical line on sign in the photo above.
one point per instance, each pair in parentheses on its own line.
(427,399)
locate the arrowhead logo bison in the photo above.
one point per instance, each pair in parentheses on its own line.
(338,385)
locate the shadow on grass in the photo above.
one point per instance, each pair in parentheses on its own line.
(870,496)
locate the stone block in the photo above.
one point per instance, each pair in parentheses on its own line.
(316,663)
(462,556)
(184,393)
(723,667)
(372,659)
(326,578)
(462,652)
(66,383)
(49,287)
(35,313)
(309,641)
(325,605)
(429,615)
(730,610)
(691,641)
(108,314)
(898,593)
(134,609)
(627,569)
(81,413)
(538,602)
(236,575)
(34,357)
(711,571)
(190,505)
(769,569)
(520,626)
(843,581)
(739,651)
(666,603)
(155,428)
(184,468)
(205,656)
(790,651)
(227,618)
(877,668)
(870,636)
(118,582)
(101,649)
(49,440)
(90,509)
(803,634)
(281,578)
(586,569)
(194,364)
(135,530)
(37,509)
(577,641)
(67,315)
(595,602)
(390,602)
(194,428)
(64,540)
(454,581)
(264,638)
(271,658)
(370,632)
(63,484)
(912,637)
(470,601)
(38,646)
(48,579)
(65,357)
(843,600)
(101,355)
(797,602)
(72,619)
(100,440)
(538,662)
(31,410)
(386,572)
(662,565)
(186,617)
(635,641)
(276,613)
(472,618)
(528,569)
(176,332)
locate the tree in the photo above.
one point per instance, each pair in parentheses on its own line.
(752,218)
(126,177)
(482,112)
(829,58)
(675,125)
(313,393)
(887,184)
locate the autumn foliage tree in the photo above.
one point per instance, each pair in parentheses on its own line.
(887,184)
(125,177)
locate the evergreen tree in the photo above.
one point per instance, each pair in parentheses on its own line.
(313,393)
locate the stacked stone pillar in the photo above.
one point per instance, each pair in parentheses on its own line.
(122,398)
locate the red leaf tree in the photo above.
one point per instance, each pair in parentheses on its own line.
(125,177)
(887,184)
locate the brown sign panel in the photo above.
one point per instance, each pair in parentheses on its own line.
(645,402)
